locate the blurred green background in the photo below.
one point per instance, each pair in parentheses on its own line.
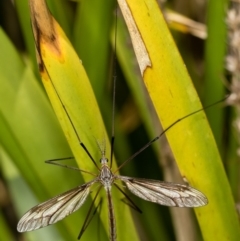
(30,133)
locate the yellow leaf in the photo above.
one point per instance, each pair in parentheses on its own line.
(173,97)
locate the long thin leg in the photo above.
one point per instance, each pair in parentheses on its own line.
(55,162)
(157,137)
(114,91)
(89,218)
(100,209)
(133,205)
(41,66)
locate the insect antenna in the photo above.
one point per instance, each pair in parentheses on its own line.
(164,131)
(102,147)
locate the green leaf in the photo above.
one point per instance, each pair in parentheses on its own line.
(192,142)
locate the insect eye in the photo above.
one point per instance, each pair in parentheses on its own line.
(103,160)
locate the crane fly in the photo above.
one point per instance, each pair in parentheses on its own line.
(57,208)
(160,192)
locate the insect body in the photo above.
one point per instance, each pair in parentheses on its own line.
(57,208)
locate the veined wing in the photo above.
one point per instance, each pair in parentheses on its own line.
(55,209)
(165,193)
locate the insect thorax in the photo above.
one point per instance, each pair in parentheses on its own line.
(106,176)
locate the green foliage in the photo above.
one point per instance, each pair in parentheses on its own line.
(30,133)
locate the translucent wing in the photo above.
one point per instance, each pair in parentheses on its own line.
(165,193)
(54,209)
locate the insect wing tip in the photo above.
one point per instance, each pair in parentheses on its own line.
(28,223)
(197,198)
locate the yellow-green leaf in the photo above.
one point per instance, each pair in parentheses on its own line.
(72,97)
(192,142)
